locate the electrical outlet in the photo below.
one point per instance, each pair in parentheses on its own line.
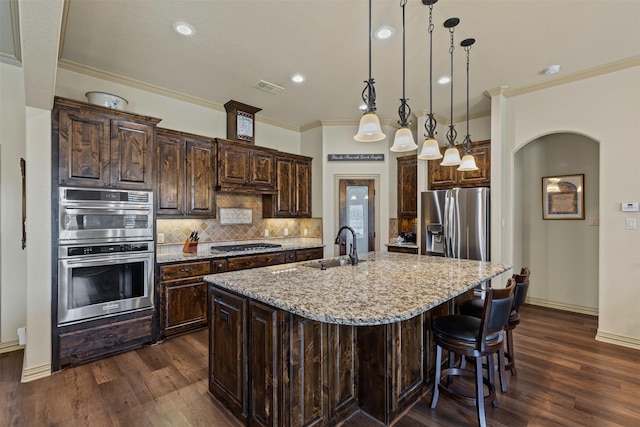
(631,223)
(286,231)
(160,238)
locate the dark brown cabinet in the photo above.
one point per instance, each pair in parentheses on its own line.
(244,169)
(444,177)
(254,261)
(293,185)
(183,297)
(408,187)
(101,147)
(186,175)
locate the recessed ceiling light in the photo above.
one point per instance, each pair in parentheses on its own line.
(297,78)
(184,28)
(384,32)
(552,69)
(444,80)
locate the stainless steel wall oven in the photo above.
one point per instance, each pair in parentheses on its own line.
(105,253)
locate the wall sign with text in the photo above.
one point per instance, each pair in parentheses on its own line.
(355,157)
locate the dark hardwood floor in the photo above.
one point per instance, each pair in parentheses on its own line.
(565,378)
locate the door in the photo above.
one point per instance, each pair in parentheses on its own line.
(357,210)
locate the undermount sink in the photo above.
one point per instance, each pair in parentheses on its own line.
(330,263)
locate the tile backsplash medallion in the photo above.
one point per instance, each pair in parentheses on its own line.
(176,231)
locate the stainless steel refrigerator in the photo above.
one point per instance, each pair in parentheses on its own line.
(455,223)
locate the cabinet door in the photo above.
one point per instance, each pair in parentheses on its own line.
(482,177)
(285,198)
(200,200)
(233,165)
(303,189)
(170,181)
(132,154)
(262,170)
(407,187)
(228,374)
(83,141)
(263,365)
(183,305)
(441,177)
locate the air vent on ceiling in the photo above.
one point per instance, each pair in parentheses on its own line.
(269,87)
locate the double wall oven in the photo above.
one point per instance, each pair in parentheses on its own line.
(105,253)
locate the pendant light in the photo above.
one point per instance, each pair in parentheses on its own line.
(451,156)
(403,140)
(369,129)
(430,148)
(468,162)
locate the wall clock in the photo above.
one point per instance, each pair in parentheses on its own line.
(241,121)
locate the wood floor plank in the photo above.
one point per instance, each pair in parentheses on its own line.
(565,378)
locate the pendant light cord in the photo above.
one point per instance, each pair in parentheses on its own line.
(430,123)
(451,135)
(404,111)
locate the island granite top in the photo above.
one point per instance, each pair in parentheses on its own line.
(383,288)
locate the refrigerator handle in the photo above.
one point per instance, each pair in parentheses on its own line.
(447,224)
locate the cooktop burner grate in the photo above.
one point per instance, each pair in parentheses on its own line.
(245,247)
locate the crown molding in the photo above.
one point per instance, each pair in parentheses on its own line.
(126,81)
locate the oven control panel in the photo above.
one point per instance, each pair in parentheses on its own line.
(106,249)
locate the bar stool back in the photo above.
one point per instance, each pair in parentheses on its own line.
(476,338)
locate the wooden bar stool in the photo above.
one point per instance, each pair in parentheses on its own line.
(475,338)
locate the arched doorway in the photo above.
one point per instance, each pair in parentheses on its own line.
(562,254)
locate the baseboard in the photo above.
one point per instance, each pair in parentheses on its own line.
(9,346)
(562,306)
(620,340)
(35,373)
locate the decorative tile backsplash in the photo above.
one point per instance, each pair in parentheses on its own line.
(213,230)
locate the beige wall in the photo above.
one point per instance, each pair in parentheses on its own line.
(606,109)
(13,259)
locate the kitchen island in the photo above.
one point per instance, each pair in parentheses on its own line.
(298,345)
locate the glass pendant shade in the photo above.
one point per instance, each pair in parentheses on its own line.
(403,141)
(430,150)
(369,130)
(451,157)
(468,164)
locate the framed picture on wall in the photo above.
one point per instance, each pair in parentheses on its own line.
(563,197)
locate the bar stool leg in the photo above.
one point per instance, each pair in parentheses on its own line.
(510,354)
(480,392)
(436,382)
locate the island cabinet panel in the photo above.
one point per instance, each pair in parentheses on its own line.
(263,365)
(343,371)
(391,367)
(100,147)
(228,338)
(306,371)
(309,254)
(183,297)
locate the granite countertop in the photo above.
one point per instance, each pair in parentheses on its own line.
(403,245)
(383,288)
(204,252)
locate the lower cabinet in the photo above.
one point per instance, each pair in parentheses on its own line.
(78,346)
(183,297)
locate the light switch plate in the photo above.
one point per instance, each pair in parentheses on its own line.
(631,223)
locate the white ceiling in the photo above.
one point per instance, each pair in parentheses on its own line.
(239,42)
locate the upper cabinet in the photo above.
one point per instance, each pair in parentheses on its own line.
(102,147)
(443,177)
(245,169)
(408,186)
(293,184)
(186,175)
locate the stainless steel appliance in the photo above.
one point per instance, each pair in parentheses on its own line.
(455,223)
(106,253)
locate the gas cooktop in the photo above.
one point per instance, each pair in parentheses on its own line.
(245,247)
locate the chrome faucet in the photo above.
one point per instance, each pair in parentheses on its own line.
(353,252)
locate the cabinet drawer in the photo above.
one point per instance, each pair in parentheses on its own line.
(189,269)
(89,343)
(402,250)
(308,254)
(253,261)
